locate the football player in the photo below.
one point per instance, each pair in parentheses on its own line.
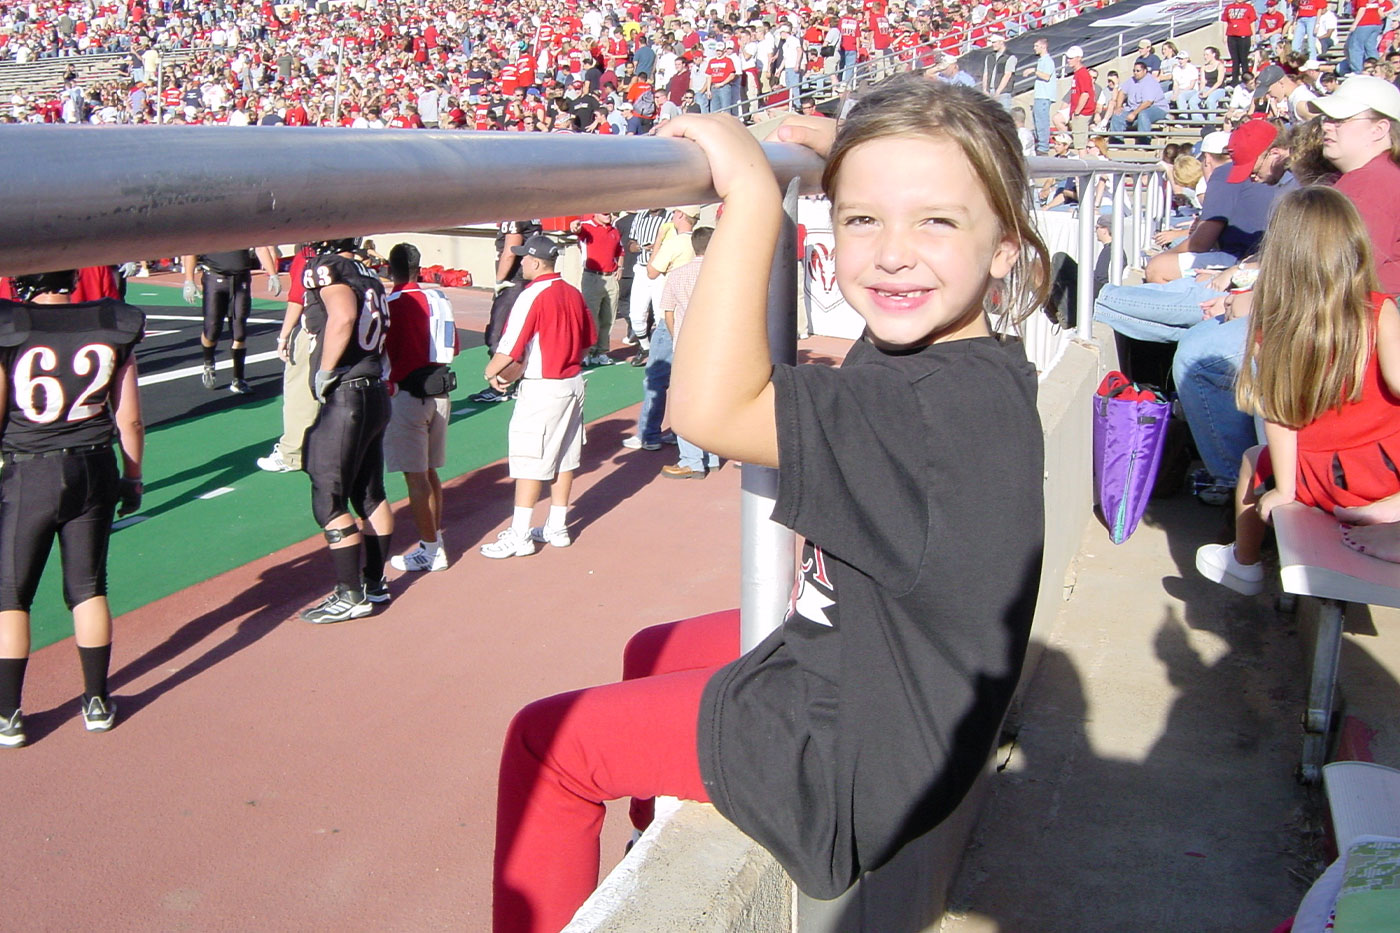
(347,317)
(68,387)
(227,286)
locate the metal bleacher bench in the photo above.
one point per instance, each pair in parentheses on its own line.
(1314,562)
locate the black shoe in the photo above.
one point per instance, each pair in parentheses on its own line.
(641,358)
(488,394)
(377,592)
(240,387)
(340,605)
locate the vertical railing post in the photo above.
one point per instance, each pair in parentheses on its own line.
(1115,261)
(767,550)
(1084,282)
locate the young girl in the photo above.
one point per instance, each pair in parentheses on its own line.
(1322,367)
(914,472)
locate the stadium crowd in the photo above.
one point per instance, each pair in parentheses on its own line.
(531,66)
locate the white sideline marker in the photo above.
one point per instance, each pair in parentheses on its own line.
(196,370)
(128,521)
(215,493)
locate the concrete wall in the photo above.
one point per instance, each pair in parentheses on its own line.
(693,870)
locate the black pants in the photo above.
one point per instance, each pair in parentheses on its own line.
(1238,49)
(227,296)
(344,451)
(68,496)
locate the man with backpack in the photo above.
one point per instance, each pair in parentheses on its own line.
(421,344)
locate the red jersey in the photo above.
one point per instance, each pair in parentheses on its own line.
(720,70)
(296,116)
(509,82)
(96,283)
(1310,8)
(850,33)
(1239,18)
(1083,83)
(1371,12)
(1271,23)
(880,31)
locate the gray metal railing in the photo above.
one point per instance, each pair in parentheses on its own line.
(91,195)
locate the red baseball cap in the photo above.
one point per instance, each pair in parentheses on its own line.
(1251,140)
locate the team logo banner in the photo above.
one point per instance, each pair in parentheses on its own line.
(1154,14)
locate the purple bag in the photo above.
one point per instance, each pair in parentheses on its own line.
(1130,432)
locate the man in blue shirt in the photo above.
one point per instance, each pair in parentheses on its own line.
(1044,95)
(1143,104)
(949,71)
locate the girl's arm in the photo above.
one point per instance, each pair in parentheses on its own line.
(1388,345)
(1283,451)
(721,393)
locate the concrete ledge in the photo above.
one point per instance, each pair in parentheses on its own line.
(692,871)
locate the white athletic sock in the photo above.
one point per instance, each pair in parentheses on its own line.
(430,547)
(558,516)
(520,523)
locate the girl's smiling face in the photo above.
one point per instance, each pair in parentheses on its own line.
(917,241)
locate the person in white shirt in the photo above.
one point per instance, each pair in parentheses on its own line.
(1186,86)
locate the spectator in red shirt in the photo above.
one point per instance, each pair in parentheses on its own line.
(1239,17)
(1082,102)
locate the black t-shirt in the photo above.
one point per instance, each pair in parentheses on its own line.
(60,362)
(230,262)
(862,721)
(584,109)
(363,354)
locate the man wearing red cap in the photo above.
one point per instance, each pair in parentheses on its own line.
(1236,206)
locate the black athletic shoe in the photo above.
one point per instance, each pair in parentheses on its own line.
(240,387)
(488,394)
(12,730)
(341,605)
(207,377)
(99,714)
(641,358)
(378,592)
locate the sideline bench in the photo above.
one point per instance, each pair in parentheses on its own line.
(1314,562)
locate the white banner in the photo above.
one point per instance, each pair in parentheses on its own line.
(1155,14)
(827,311)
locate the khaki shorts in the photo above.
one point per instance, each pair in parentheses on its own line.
(546,430)
(415,440)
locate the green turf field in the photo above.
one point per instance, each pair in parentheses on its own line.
(208,508)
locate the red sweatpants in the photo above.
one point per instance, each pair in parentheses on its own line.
(567,754)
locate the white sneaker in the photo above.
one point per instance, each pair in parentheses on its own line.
(420,559)
(1217,562)
(509,544)
(273,462)
(636,443)
(557,537)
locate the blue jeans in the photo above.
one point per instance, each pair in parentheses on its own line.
(1142,122)
(657,384)
(1155,313)
(1207,359)
(694,458)
(1040,114)
(791,79)
(1363,43)
(848,66)
(724,98)
(1305,34)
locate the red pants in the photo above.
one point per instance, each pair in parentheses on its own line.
(565,755)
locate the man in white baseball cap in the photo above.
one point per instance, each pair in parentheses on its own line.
(1361,136)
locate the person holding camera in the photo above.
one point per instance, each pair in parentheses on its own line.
(421,344)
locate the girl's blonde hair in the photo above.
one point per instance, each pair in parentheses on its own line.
(1311,328)
(912,105)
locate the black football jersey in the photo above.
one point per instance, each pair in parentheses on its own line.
(231,262)
(364,353)
(60,364)
(527,229)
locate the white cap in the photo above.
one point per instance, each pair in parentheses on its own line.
(1074,51)
(1217,143)
(1358,93)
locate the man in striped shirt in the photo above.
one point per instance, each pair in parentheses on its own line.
(546,336)
(646,227)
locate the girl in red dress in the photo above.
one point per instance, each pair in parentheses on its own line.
(1322,367)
